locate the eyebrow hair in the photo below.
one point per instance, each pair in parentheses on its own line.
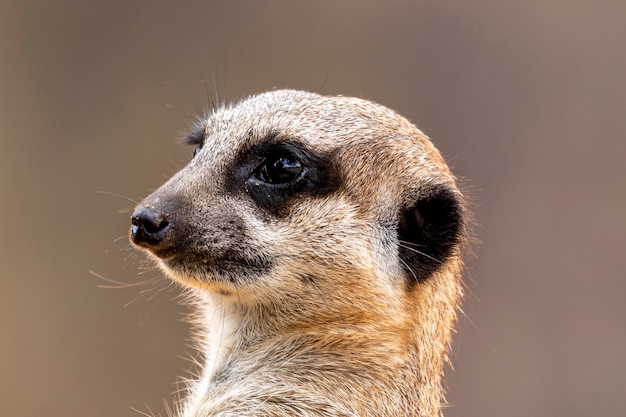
(196,137)
(251,145)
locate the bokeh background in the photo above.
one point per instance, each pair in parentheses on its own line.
(526,99)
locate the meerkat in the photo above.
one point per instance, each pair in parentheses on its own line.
(321,240)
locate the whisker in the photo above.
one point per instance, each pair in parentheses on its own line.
(419,252)
(326,78)
(209,98)
(413,243)
(139,297)
(144,320)
(114,284)
(142,412)
(409,268)
(120,238)
(132,200)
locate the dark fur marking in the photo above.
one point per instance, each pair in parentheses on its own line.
(319,175)
(428,231)
(197,137)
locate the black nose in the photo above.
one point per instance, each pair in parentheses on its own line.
(148,227)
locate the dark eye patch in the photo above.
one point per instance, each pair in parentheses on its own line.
(276,173)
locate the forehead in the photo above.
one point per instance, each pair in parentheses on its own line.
(321,123)
(366,136)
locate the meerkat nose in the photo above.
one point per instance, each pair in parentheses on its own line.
(148,227)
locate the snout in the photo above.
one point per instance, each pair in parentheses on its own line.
(149,228)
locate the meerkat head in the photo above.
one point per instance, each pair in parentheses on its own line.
(290,194)
(329,231)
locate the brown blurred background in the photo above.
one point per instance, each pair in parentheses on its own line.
(526,99)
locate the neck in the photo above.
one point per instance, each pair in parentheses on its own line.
(375,352)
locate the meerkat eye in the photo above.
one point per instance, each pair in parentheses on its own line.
(280,169)
(197,151)
(276,175)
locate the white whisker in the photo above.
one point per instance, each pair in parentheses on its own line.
(132,200)
(403,245)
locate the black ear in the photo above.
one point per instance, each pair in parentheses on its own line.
(428,231)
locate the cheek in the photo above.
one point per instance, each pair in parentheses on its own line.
(262,236)
(384,251)
(325,232)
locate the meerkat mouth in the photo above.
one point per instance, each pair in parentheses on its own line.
(231,268)
(231,264)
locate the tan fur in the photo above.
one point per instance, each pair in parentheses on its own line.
(334,329)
